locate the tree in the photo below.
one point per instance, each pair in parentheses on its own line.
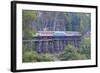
(71,53)
(85,47)
(68,21)
(32,56)
(45,57)
(28,16)
(85,22)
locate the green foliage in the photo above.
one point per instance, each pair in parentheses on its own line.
(45,57)
(28,16)
(71,53)
(85,47)
(78,22)
(29,33)
(85,22)
(30,55)
(69,20)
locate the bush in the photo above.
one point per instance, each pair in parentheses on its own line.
(71,53)
(85,47)
(29,56)
(45,57)
(32,56)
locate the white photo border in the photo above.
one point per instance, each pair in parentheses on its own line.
(52,7)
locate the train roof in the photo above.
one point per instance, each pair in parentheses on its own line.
(58,33)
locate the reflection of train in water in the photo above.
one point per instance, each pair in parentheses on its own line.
(55,41)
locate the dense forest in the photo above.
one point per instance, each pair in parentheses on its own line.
(34,21)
